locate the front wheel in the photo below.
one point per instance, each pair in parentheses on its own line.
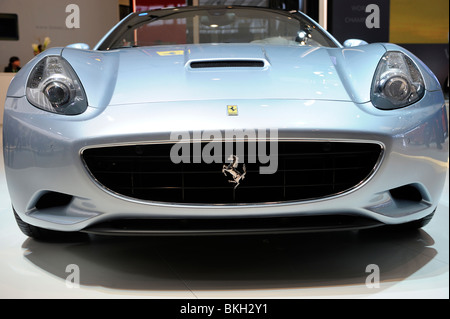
(42,234)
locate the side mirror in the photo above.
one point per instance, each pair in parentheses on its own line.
(354,43)
(81,46)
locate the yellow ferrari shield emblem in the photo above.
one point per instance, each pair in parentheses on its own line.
(232,110)
(170,53)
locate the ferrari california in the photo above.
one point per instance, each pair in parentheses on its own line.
(223,120)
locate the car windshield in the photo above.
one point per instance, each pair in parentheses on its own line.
(217,25)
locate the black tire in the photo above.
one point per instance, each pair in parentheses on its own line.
(46,234)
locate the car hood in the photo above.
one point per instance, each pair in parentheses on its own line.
(225,71)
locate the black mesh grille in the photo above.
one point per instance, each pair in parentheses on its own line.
(306,170)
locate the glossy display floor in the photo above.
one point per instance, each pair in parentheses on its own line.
(325,265)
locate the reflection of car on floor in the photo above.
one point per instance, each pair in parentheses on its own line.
(359,139)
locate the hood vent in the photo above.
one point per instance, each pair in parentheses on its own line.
(227,64)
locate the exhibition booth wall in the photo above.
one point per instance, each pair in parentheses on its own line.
(62,22)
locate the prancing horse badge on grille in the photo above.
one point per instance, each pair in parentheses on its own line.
(232,170)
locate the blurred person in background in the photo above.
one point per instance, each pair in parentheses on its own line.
(14,65)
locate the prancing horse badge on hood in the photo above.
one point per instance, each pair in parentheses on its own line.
(232,110)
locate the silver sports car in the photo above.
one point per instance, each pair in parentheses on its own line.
(223,120)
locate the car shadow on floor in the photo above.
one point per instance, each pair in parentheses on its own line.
(334,259)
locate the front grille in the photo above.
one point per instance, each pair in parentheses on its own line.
(306,170)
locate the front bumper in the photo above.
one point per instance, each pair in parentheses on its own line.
(42,156)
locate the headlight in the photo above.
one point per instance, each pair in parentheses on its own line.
(397,82)
(53,86)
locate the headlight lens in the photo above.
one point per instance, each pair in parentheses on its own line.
(53,86)
(397,82)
